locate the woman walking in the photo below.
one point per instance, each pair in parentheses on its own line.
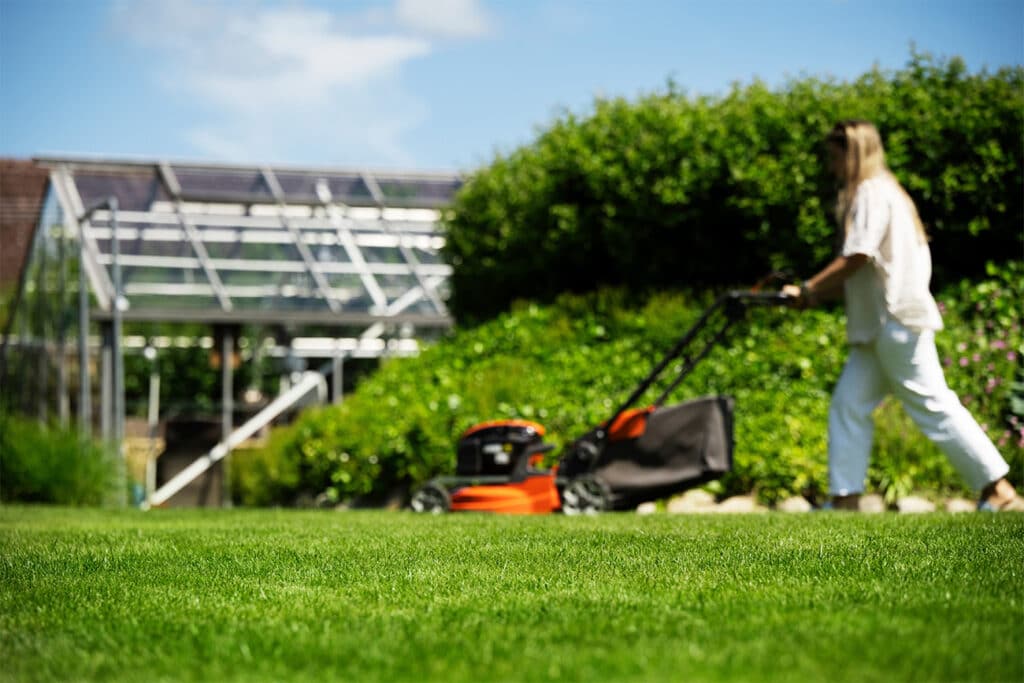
(883,271)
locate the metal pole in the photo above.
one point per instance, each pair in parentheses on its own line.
(227,403)
(63,404)
(84,388)
(337,392)
(41,385)
(307,383)
(154,419)
(106,383)
(118,358)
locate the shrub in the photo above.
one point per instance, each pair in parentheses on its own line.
(675,191)
(568,365)
(49,464)
(262,477)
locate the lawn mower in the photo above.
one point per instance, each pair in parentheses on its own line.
(637,455)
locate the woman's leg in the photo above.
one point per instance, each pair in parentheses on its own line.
(851,428)
(912,368)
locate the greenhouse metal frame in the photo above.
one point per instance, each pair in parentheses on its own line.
(341,263)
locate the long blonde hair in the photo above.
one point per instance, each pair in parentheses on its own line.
(863,157)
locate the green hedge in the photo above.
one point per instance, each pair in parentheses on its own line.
(675,191)
(49,464)
(569,364)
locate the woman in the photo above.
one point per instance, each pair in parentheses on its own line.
(884,270)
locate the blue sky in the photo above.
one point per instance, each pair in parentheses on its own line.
(422,84)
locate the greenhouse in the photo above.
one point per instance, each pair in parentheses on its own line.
(272,279)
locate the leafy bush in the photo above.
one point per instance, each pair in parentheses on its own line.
(674,191)
(49,464)
(569,365)
(260,477)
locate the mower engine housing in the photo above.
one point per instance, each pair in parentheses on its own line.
(494,448)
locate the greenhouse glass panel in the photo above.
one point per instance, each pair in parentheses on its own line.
(396,285)
(39,349)
(423,306)
(383,255)
(228,238)
(145,242)
(175,302)
(284,251)
(203,184)
(261,276)
(417,191)
(136,189)
(319,188)
(140,278)
(427,256)
(335,253)
(344,281)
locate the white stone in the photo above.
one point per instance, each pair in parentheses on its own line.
(695,500)
(957,505)
(872,503)
(740,504)
(912,505)
(794,504)
(646,508)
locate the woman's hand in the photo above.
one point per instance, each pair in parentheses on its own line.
(796,296)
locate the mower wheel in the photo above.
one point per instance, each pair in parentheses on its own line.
(431,498)
(586,495)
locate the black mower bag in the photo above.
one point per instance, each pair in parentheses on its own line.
(681,446)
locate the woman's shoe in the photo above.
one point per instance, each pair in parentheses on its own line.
(1015,504)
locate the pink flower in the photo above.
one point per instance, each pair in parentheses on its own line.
(961,347)
(976,357)
(1010,355)
(947,361)
(998,344)
(963,362)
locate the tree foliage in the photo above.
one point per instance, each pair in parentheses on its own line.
(677,191)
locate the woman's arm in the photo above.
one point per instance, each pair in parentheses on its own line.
(826,281)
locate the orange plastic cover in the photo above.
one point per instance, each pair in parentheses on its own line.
(630,425)
(503,423)
(535,495)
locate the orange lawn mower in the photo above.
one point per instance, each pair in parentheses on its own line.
(636,456)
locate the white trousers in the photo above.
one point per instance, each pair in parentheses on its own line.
(903,363)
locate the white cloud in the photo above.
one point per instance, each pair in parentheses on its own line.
(294,83)
(445,18)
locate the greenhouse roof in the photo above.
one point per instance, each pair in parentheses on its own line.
(255,244)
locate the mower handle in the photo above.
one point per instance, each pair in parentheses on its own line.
(756,298)
(734,303)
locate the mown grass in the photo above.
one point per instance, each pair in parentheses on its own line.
(374,596)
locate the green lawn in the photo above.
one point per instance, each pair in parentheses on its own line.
(375,596)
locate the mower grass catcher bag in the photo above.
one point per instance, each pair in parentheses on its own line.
(651,454)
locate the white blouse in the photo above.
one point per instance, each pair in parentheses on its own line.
(894,284)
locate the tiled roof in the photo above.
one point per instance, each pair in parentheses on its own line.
(22,189)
